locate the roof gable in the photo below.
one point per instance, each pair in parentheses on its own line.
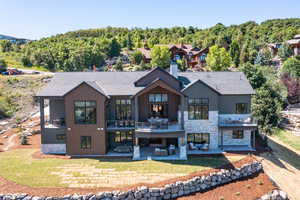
(90,84)
(158,73)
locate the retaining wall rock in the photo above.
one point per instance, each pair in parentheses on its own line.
(169,191)
(275,195)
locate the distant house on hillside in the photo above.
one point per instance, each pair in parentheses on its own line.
(193,56)
(295,44)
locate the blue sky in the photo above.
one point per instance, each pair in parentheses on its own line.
(34,19)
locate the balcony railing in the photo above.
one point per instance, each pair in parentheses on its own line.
(120,123)
(231,120)
(158,125)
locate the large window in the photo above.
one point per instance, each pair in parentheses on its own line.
(158,105)
(85,142)
(198,108)
(85,112)
(237,134)
(123,109)
(241,108)
(123,137)
(198,138)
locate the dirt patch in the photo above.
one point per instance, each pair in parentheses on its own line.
(7,186)
(246,189)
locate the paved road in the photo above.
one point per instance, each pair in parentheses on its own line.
(283,167)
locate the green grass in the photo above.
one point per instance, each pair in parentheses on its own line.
(287,137)
(13,60)
(19,166)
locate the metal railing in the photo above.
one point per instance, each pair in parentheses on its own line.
(158,125)
(237,119)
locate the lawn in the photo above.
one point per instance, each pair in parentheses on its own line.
(19,166)
(13,60)
(288,138)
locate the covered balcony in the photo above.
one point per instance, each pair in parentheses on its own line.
(158,125)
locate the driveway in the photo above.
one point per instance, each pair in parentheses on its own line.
(283,167)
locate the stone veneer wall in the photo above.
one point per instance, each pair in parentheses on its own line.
(54,148)
(204,126)
(170,191)
(228,140)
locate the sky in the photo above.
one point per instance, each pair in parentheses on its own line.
(34,19)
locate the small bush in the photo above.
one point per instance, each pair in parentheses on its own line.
(237,193)
(248,186)
(24,140)
(260,183)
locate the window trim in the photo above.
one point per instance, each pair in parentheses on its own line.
(238,134)
(81,146)
(74,110)
(246,110)
(200,109)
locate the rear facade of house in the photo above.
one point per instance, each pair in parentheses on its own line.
(157,114)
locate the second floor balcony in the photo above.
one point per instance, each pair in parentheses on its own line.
(158,125)
(237,120)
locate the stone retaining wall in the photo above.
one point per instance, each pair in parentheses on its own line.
(170,191)
(276,195)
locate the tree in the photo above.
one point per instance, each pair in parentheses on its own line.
(266,107)
(218,59)
(254,75)
(292,85)
(137,57)
(119,65)
(285,51)
(263,58)
(292,67)
(181,65)
(129,43)
(161,56)
(3,65)
(5,46)
(234,51)
(115,48)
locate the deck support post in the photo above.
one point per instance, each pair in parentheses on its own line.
(42,115)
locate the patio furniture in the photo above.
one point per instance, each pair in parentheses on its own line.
(171,149)
(123,149)
(192,146)
(160,152)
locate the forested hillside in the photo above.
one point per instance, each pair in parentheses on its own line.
(79,50)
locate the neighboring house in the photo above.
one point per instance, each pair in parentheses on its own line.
(148,114)
(193,56)
(295,44)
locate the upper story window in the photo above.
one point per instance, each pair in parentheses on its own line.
(123,109)
(198,108)
(237,134)
(85,112)
(241,108)
(158,105)
(158,98)
(202,57)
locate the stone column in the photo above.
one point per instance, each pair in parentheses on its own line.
(182,148)
(136,153)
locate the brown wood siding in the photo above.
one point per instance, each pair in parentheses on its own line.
(83,93)
(173,103)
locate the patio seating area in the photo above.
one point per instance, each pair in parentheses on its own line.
(158,153)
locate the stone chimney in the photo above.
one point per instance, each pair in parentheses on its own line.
(174,69)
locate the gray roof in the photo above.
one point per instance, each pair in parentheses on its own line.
(122,83)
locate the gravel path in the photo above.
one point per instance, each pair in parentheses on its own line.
(283,167)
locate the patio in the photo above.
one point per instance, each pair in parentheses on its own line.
(148,153)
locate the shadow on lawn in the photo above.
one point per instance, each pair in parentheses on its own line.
(281,152)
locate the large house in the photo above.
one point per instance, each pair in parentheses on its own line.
(194,57)
(147,114)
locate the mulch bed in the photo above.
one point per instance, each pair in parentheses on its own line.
(247,189)
(7,186)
